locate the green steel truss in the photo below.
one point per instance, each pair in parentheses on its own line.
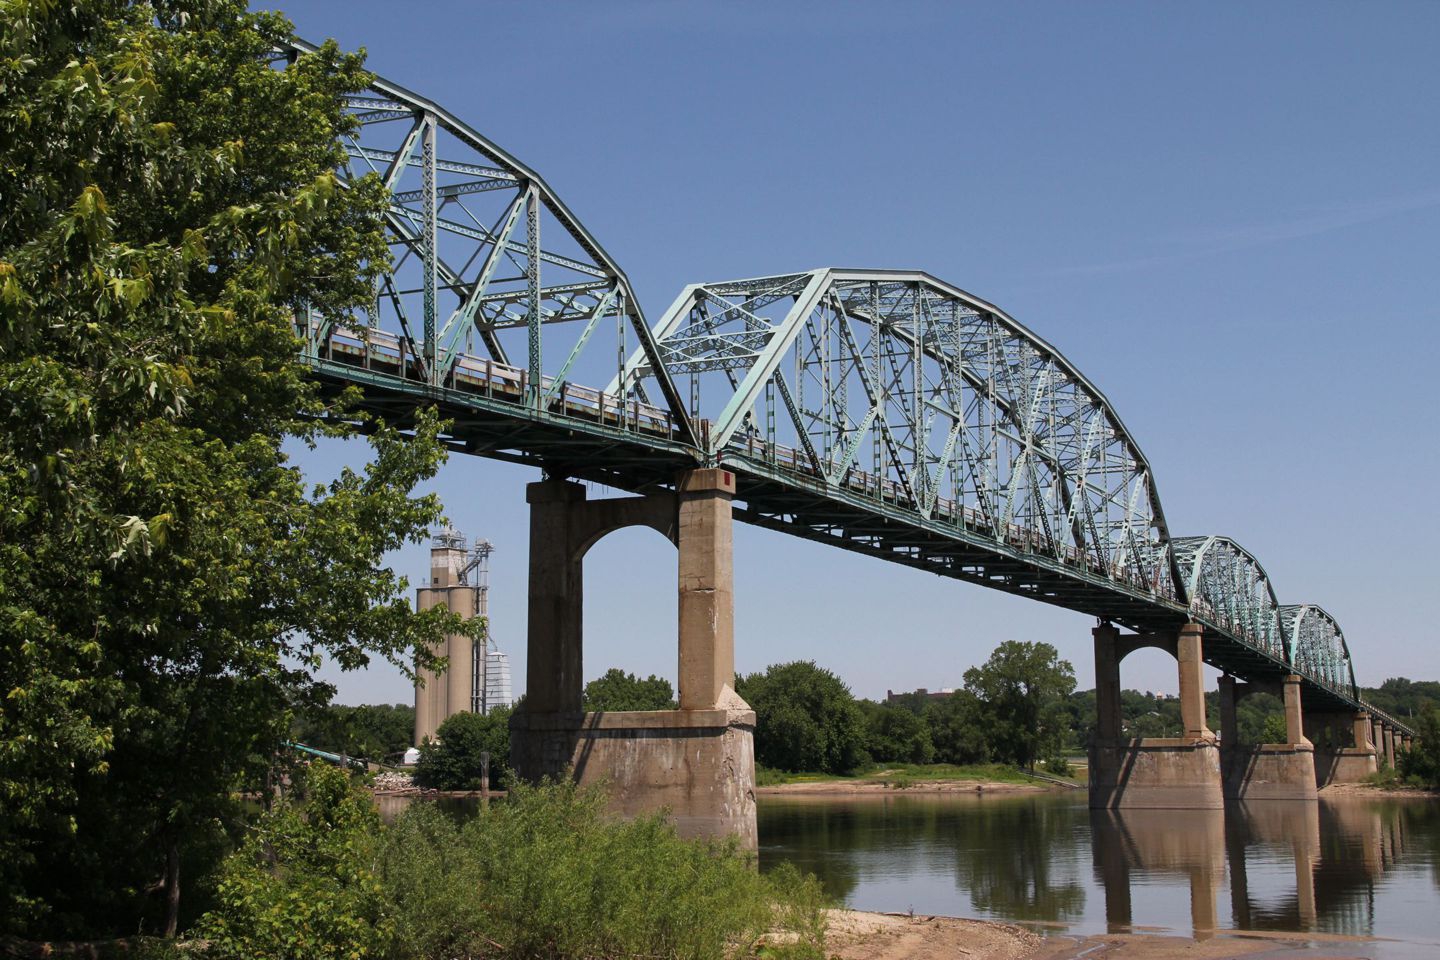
(879,411)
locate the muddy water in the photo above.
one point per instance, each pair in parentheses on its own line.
(1360,867)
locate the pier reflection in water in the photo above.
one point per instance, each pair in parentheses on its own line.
(1359,867)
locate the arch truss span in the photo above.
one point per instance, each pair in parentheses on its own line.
(1228,589)
(1315,645)
(898,389)
(495,288)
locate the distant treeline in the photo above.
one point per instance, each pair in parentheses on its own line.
(1019,707)
(1402,698)
(381,732)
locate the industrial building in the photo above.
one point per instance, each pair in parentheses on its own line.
(478,679)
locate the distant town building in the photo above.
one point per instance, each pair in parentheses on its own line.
(892,697)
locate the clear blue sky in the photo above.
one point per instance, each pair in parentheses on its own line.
(1226,215)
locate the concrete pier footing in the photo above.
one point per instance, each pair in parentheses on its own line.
(1269,771)
(698,762)
(1156,773)
(698,765)
(1266,771)
(1343,751)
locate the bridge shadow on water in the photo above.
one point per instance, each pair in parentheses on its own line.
(1355,867)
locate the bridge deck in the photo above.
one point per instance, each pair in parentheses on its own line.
(585,433)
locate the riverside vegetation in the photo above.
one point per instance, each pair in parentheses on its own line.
(542,874)
(1016,707)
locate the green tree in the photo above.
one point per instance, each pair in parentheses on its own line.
(805,719)
(1402,697)
(1023,687)
(959,728)
(618,690)
(895,734)
(1149,715)
(452,761)
(1274,730)
(373,731)
(1422,760)
(305,884)
(168,582)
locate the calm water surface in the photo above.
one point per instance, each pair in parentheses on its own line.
(1362,867)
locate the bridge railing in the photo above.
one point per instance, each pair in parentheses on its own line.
(945,511)
(382,353)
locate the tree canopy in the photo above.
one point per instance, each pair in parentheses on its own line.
(806,719)
(453,760)
(1023,687)
(895,734)
(617,690)
(168,580)
(379,731)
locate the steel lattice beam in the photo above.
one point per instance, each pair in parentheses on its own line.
(880,411)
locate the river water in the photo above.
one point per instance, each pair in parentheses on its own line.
(1361,867)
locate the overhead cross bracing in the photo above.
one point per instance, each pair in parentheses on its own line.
(885,412)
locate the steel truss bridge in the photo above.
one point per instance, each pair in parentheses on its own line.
(881,411)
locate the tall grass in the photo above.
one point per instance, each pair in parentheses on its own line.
(546,874)
(542,875)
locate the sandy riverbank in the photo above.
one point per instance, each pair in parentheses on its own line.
(1368,792)
(842,788)
(855,935)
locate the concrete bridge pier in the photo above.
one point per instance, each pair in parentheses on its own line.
(697,762)
(1343,751)
(1387,742)
(1153,772)
(1266,771)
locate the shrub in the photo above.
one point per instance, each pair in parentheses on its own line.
(546,874)
(541,874)
(303,884)
(452,760)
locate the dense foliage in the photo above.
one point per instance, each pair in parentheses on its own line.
(1401,697)
(373,731)
(617,690)
(1018,708)
(454,759)
(544,874)
(895,735)
(959,729)
(305,882)
(805,719)
(167,580)
(1023,687)
(1421,763)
